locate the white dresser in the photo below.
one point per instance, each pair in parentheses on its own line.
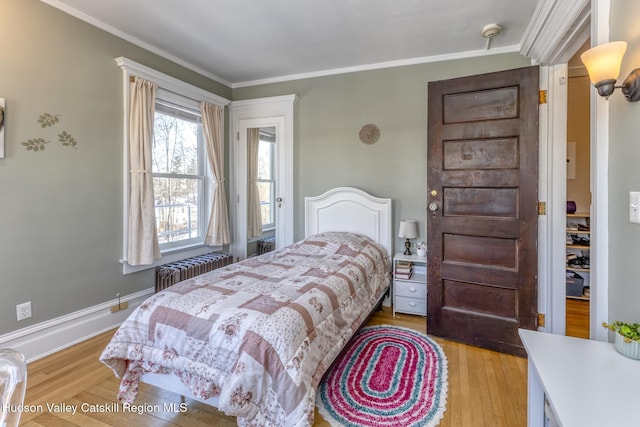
(586,383)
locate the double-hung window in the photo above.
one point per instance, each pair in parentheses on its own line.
(180,165)
(179,182)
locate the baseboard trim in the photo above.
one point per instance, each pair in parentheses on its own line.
(48,337)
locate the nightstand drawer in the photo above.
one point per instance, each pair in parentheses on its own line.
(411,305)
(410,289)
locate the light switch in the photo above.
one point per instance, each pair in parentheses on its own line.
(634,207)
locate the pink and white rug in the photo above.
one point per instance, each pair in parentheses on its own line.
(388,376)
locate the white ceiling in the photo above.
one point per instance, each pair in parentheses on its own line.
(244,42)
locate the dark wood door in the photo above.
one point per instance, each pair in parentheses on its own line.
(482,215)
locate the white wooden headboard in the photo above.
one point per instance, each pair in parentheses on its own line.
(350,209)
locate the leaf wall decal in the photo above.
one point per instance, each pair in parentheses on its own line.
(67,140)
(36,144)
(48,120)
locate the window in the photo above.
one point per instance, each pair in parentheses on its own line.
(266,177)
(180,167)
(178,176)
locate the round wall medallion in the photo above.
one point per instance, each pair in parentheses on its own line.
(369,134)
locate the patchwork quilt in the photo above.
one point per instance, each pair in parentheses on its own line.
(258,334)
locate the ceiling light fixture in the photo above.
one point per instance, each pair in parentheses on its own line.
(489,32)
(603,65)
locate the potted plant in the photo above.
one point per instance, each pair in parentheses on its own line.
(627,337)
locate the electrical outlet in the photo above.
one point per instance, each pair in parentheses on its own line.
(23,310)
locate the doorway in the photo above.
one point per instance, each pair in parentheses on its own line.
(273,119)
(553,44)
(259,196)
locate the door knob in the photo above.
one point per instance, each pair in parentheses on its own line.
(279,200)
(433,206)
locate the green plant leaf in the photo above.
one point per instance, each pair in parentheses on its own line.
(629,331)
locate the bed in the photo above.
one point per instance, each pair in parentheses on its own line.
(255,338)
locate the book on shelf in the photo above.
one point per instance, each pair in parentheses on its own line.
(403,269)
(403,263)
(405,276)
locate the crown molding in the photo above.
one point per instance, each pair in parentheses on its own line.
(556,30)
(380,65)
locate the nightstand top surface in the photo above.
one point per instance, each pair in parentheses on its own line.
(414,257)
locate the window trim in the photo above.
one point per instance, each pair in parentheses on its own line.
(170,87)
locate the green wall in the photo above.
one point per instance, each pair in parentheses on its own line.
(61,208)
(624,174)
(331,111)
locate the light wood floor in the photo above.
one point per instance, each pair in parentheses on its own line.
(577,318)
(485,389)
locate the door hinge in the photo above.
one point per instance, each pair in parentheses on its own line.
(540,320)
(542,208)
(237,136)
(542,97)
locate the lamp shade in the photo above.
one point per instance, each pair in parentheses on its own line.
(603,61)
(408,229)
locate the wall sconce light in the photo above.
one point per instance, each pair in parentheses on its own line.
(408,230)
(603,65)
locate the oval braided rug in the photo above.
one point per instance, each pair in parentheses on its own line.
(388,376)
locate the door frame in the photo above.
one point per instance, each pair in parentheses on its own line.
(552,190)
(241,150)
(553,47)
(275,111)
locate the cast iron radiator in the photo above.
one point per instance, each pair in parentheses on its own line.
(265,245)
(174,272)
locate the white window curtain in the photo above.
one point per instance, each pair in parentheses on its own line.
(212,127)
(143,247)
(254,216)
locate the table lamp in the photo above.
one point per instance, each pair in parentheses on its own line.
(408,230)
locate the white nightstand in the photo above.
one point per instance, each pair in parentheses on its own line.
(410,294)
